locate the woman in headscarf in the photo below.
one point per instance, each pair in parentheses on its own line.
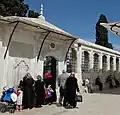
(47,78)
(22,85)
(71,88)
(40,92)
(28,92)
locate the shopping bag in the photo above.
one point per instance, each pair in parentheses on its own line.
(78,98)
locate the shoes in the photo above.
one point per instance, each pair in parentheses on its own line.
(69,107)
(38,106)
(50,103)
(59,105)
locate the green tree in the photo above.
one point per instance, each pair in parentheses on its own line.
(102,33)
(33,14)
(13,7)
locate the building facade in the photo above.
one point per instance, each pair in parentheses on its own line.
(93,60)
(26,43)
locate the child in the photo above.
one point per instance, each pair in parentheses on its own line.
(48,94)
(19,99)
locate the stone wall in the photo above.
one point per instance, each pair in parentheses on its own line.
(103,75)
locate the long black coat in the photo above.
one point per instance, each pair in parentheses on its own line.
(40,92)
(28,93)
(71,88)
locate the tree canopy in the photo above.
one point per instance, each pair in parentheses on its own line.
(33,14)
(16,8)
(13,7)
(102,33)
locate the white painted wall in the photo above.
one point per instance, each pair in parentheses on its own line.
(22,56)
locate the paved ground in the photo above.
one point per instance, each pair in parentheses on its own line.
(105,103)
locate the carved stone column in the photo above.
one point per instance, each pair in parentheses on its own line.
(91,59)
(100,61)
(79,64)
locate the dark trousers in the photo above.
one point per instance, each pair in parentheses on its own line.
(72,101)
(100,87)
(65,101)
(54,96)
(48,100)
(62,93)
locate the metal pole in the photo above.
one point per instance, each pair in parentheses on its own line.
(10,39)
(42,45)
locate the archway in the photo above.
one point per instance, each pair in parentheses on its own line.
(117,64)
(104,63)
(50,64)
(96,62)
(111,63)
(85,61)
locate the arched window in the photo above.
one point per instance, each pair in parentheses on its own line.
(71,60)
(111,63)
(85,61)
(96,62)
(104,63)
(117,64)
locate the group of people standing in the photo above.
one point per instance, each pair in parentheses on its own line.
(68,87)
(111,80)
(42,91)
(34,92)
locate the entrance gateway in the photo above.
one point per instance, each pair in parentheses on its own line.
(50,64)
(25,43)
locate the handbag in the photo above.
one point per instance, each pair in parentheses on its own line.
(78,98)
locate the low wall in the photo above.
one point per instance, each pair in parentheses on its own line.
(103,75)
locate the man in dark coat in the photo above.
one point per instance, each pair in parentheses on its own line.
(71,88)
(99,83)
(40,92)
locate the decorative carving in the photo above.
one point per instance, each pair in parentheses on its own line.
(20,69)
(52,45)
(22,61)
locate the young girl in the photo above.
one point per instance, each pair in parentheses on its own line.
(48,94)
(19,99)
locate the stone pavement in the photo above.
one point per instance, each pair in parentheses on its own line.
(105,103)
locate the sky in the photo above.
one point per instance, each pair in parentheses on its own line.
(79,17)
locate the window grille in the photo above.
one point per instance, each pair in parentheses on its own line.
(104,63)
(111,63)
(117,64)
(96,62)
(85,61)
(71,60)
